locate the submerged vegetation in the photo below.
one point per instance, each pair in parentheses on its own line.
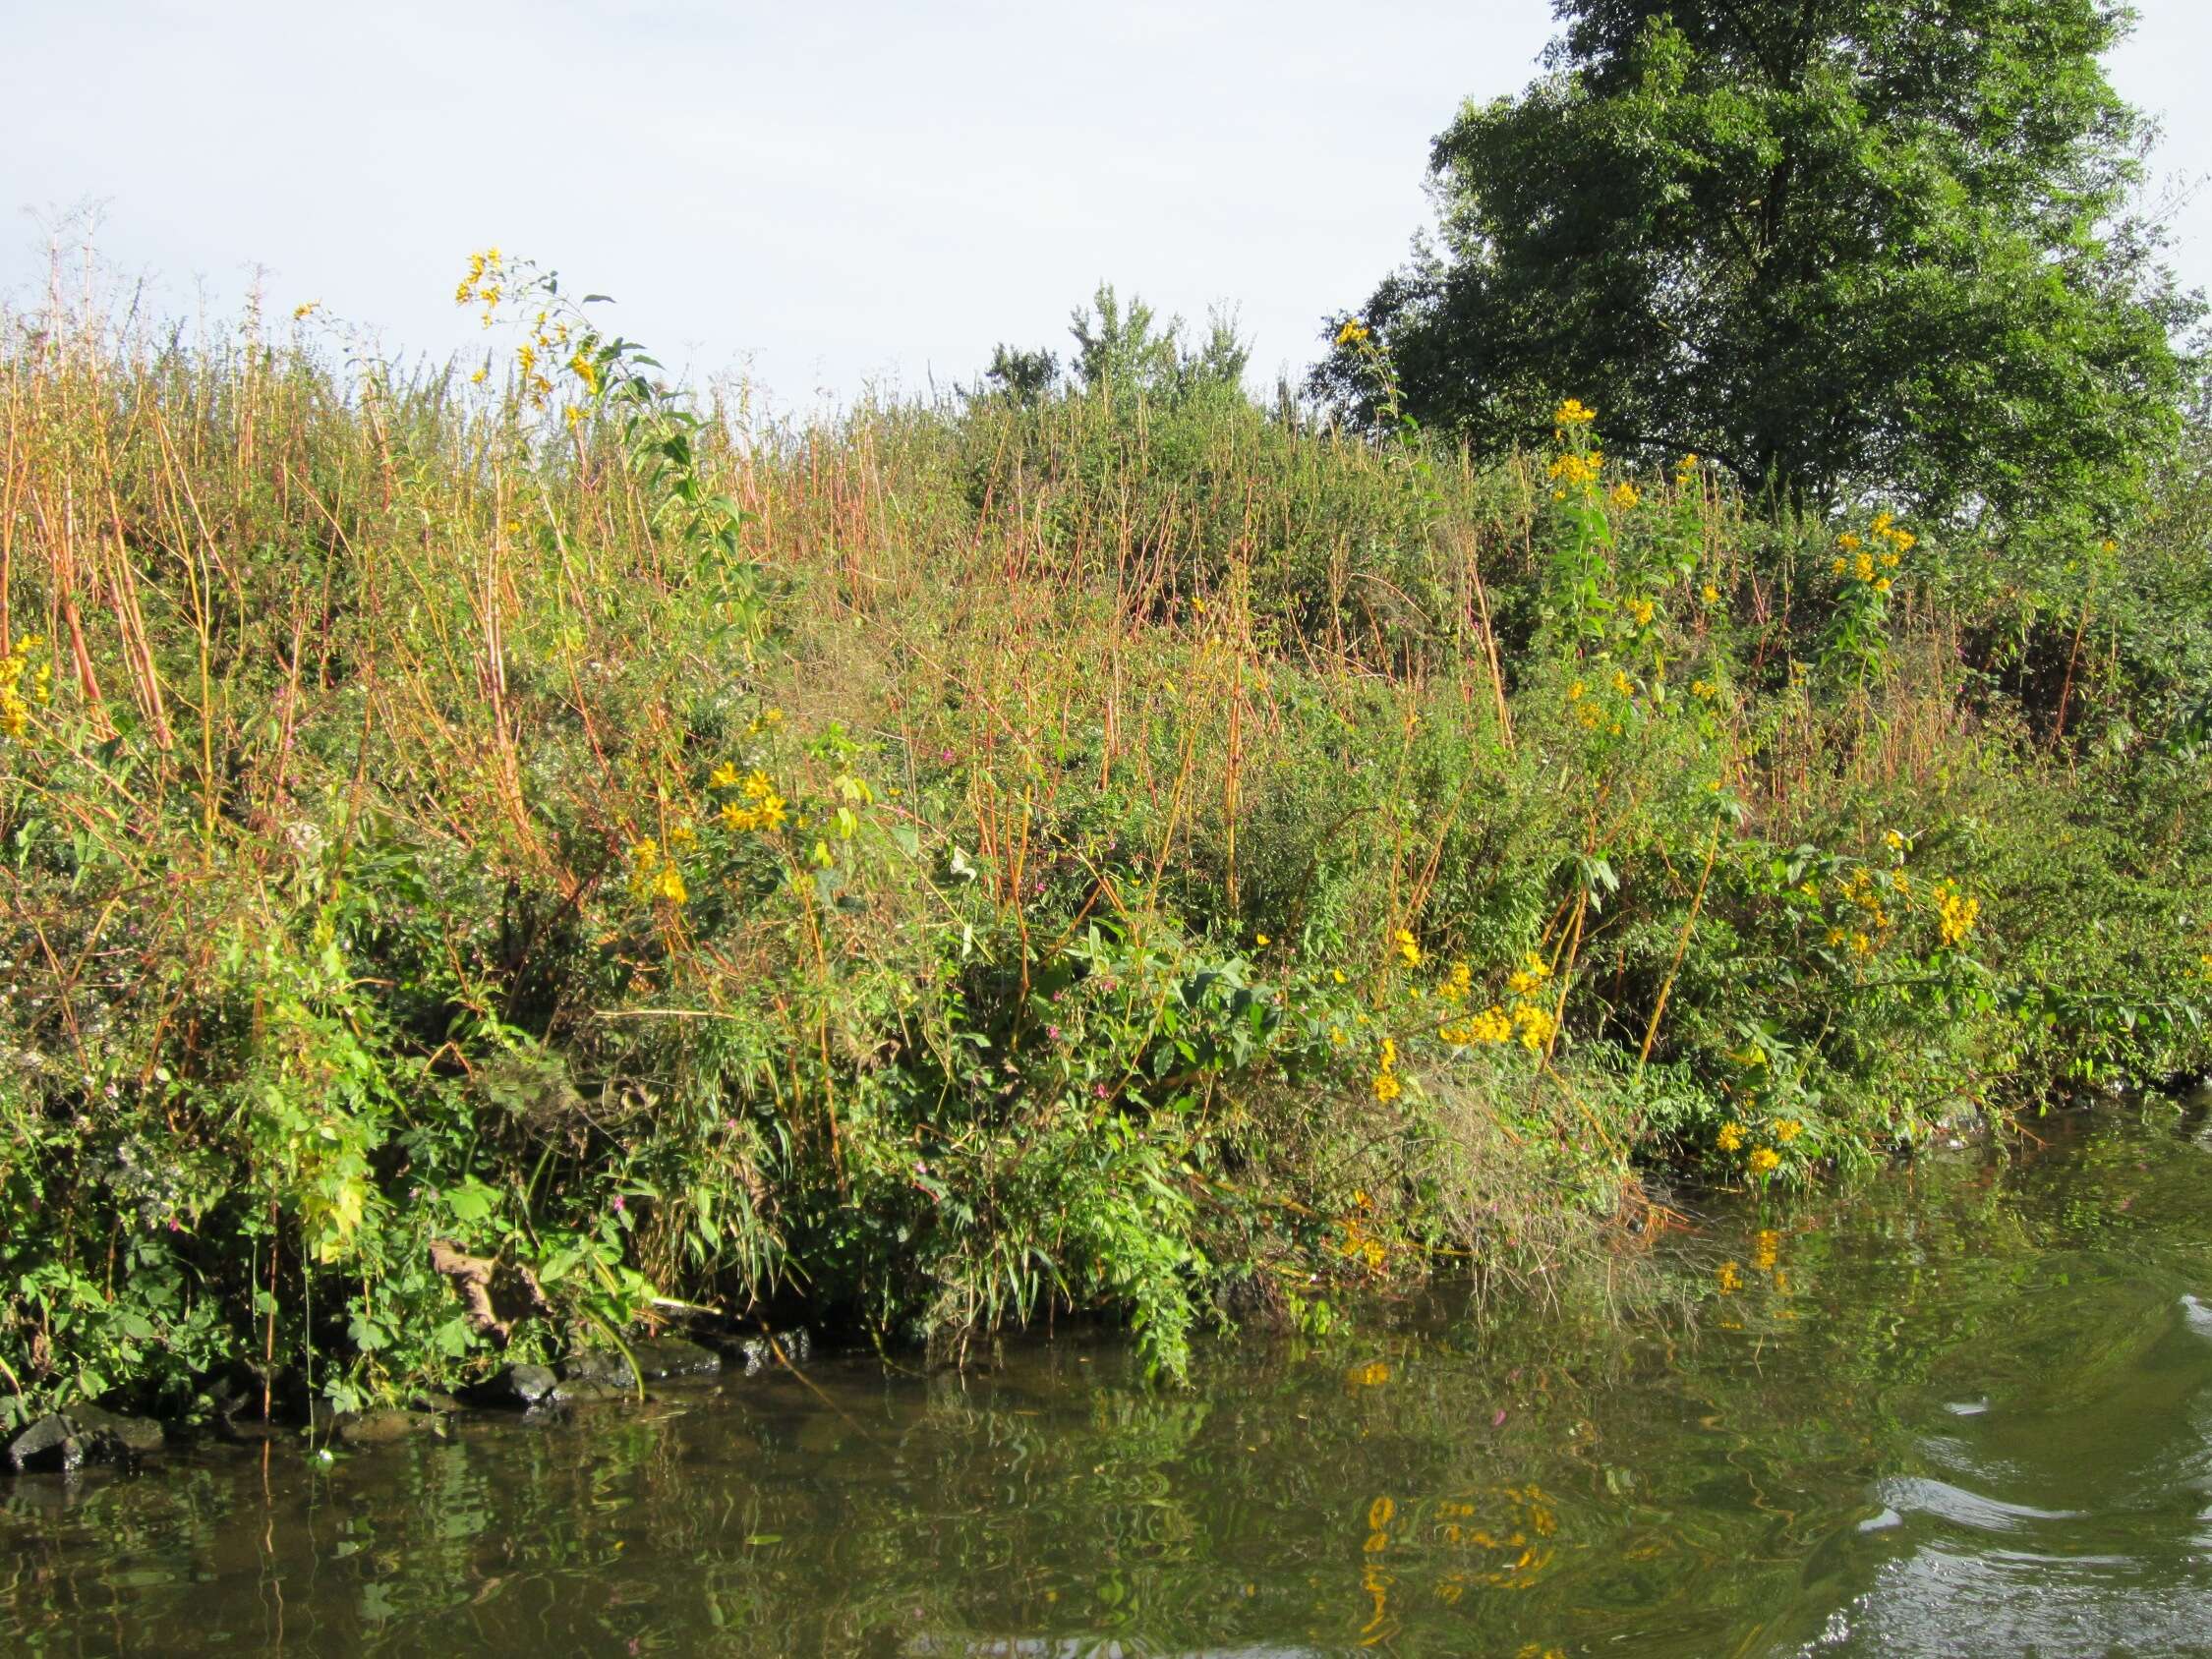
(1109,849)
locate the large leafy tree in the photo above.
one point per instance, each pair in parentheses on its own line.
(1841,246)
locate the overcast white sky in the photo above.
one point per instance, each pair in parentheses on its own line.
(832,191)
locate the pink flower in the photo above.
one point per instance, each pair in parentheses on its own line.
(620,1206)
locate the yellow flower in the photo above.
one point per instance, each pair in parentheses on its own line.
(1731,1137)
(1710,594)
(1642,610)
(1848,543)
(1882,585)
(1492,1025)
(1386,1087)
(1624,494)
(1337,974)
(1259,938)
(1729,1278)
(724,777)
(1787,1130)
(1576,471)
(1408,950)
(1956,915)
(1353,333)
(652,875)
(1863,567)
(1574,692)
(1573,413)
(1764,1161)
(1840,566)
(1535,1025)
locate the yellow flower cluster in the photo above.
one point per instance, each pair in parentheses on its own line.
(654,875)
(1405,949)
(16,700)
(1856,562)
(1573,413)
(1735,1136)
(485,283)
(758,807)
(1386,1085)
(1353,333)
(1570,471)
(1955,914)
(1860,892)
(1625,496)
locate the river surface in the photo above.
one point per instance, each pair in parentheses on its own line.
(1963,1408)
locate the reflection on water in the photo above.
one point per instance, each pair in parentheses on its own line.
(1964,1410)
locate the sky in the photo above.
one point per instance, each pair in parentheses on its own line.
(829,197)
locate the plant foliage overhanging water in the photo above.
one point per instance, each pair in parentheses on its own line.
(1965,1408)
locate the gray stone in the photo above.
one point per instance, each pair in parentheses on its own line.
(597,1368)
(755,1354)
(515,1388)
(68,1439)
(658,1358)
(110,1437)
(48,1445)
(585,1394)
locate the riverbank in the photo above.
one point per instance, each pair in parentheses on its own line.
(494,866)
(1960,1406)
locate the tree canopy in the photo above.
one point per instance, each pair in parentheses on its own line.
(1840,246)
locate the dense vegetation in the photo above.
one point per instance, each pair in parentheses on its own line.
(1106,849)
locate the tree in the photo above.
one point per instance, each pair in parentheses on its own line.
(1841,246)
(1129,350)
(1022,377)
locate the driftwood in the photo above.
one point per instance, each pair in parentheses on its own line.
(495,1293)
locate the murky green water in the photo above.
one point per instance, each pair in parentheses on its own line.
(1964,1410)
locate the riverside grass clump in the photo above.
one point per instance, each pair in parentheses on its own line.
(944,865)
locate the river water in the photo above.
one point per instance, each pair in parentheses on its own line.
(1964,1408)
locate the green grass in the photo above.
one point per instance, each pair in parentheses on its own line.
(1170,805)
